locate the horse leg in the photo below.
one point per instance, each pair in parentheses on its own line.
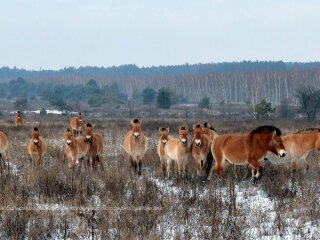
(139,170)
(306,167)
(179,163)
(185,167)
(168,167)
(163,166)
(198,167)
(94,160)
(294,166)
(256,165)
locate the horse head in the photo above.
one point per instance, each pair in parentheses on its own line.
(36,136)
(68,135)
(89,132)
(183,135)
(164,133)
(197,135)
(136,128)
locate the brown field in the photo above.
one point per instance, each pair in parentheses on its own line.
(57,203)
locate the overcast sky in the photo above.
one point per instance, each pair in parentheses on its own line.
(52,34)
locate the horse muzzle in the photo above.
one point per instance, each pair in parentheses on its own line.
(164,142)
(68,142)
(184,141)
(136,136)
(88,139)
(282,153)
(198,142)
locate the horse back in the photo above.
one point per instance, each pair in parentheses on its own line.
(83,147)
(100,141)
(74,123)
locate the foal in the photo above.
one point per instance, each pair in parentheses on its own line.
(75,148)
(298,145)
(163,139)
(177,150)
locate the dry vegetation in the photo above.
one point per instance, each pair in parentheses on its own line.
(117,204)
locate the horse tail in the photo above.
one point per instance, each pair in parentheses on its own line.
(209,161)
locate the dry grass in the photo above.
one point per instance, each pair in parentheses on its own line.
(186,209)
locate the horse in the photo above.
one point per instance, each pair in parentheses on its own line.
(37,147)
(75,148)
(3,147)
(163,139)
(176,149)
(95,141)
(76,124)
(247,148)
(298,145)
(18,120)
(210,131)
(136,145)
(201,150)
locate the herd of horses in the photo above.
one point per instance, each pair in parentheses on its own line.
(208,150)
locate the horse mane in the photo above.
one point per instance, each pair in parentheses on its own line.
(89,125)
(80,113)
(36,129)
(18,112)
(308,130)
(207,125)
(68,130)
(197,126)
(136,120)
(266,129)
(163,129)
(212,128)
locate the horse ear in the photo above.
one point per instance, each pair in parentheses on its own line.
(168,129)
(274,133)
(160,129)
(131,121)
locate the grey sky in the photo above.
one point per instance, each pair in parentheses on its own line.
(53,34)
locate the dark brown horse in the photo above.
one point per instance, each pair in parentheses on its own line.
(96,146)
(247,149)
(200,149)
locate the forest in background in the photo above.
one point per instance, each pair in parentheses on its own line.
(236,82)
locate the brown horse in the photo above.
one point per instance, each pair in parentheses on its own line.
(200,149)
(37,147)
(298,145)
(163,139)
(75,148)
(18,120)
(76,124)
(248,148)
(177,150)
(136,145)
(95,140)
(3,147)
